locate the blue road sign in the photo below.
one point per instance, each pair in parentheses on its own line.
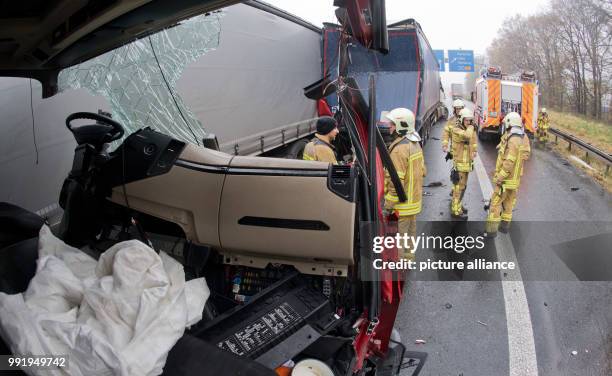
(460,60)
(440,57)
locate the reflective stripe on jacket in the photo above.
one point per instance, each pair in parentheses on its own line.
(319,150)
(448,130)
(517,151)
(463,145)
(501,150)
(407,158)
(543,123)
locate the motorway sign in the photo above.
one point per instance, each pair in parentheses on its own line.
(460,60)
(440,57)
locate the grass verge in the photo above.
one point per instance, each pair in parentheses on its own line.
(592,132)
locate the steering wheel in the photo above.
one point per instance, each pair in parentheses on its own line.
(105,130)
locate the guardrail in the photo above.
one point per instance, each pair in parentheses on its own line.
(590,150)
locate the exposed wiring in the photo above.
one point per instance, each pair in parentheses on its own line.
(33,120)
(172,93)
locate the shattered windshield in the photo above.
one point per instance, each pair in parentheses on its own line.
(139,79)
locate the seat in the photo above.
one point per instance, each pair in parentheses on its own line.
(19,230)
(17,224)
(18,265)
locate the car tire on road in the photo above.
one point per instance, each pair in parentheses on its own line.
(482,136)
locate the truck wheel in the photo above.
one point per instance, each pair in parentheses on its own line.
(482,136)
(296,150)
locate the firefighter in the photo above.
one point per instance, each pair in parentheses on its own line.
(503,138)
(446,134)
(321,148)
(463,149)
(407,157)
(508,170)
(503,141)
(542,132)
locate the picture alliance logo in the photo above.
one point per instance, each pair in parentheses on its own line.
(404,241)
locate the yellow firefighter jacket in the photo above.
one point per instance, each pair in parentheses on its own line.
(319,150)
(501,150)
(463,146)
(407,158)
(448,130)
(516,152)
(543,122)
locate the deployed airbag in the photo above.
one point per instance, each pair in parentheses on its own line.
(119,315)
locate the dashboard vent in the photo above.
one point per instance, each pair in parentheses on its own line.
(341,172)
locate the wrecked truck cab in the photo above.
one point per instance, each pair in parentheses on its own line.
(278,241)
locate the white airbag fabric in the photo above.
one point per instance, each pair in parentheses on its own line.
(120,315)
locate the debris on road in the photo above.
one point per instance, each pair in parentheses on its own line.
(482,323)
(420,342)
(436,138)
(574,352)
(426,193)
(448,306)
(433,184)
(574,189)
(545,304)
(581,162)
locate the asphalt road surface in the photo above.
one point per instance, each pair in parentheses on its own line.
(551,317)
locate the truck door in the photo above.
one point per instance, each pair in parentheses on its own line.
(511,97)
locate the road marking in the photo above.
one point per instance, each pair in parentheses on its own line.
(521,345)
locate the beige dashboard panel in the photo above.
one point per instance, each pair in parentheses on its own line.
(259,162)
(267,202)
(201,155)
(187,197)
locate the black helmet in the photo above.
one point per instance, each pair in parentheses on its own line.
(326,124)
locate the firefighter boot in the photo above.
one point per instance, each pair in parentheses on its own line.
(463,208)
(457,211)
(458,192)
(504,226)
(489,235)
(491,227)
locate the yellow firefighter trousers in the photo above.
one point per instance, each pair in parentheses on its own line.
(458,192)
(500,209)
(542,134)
(406,225)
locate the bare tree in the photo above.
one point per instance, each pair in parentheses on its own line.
(569,48)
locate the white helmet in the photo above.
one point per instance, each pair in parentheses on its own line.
(543,110)
(458,103)
(404,122)
(466,113)
(513,119)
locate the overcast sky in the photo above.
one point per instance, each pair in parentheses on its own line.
(448,25)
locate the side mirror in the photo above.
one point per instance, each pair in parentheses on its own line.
(365,21)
